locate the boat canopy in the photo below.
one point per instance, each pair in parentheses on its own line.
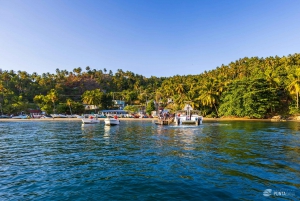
(184,112)
(187,107)
(111,112)
(188,110)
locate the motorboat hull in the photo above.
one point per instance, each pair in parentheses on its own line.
(58,116)
(90,121)
(188,122)
(111,121)
(20,117)
(196,120)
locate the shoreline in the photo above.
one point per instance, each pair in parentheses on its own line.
(75,119)
(142,119)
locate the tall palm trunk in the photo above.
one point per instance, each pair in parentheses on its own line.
(216,110)
(297,99)
(1,108)
(54,108)
(70,109)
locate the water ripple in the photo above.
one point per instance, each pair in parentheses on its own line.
(143,161)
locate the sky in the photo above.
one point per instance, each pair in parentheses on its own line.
(159,38)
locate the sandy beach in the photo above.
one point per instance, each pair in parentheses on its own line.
(74,119)
(134,119)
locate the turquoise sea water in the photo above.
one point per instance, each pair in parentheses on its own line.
(139,160)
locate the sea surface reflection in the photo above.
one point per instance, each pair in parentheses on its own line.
(139,160)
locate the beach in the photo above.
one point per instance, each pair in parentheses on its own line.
(134,119)
(73,119)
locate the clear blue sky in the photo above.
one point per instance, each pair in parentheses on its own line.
(150,37)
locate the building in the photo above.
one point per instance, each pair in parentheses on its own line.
(35,113)
(119,104)
(90,107)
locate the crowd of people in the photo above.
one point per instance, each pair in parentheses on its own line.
(165,115)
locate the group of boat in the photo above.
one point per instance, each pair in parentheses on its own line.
(187,116)
(109,121)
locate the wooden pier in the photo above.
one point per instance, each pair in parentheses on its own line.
(165,121)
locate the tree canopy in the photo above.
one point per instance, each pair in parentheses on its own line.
(248,87)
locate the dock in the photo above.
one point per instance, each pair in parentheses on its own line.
(165,121)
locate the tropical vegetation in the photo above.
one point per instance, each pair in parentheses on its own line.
(248,87)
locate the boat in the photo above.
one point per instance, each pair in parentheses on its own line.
(111,121)
(46,117)
(59,116)
(21,116)
(72,116)
(36,116)
(188,116)
(4,116)
(90,120)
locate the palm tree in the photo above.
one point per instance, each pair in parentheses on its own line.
(294,86)
(77,70)
(209,95)
(69,103)
(92,97)
(2,89)
(53,95)
(179,89)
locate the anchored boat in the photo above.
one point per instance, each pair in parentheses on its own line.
(111,121)
(90,120)
(188,116)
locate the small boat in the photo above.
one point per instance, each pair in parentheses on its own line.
(90,120)
(36,116)
(188,116)
(109,121)
(59,116)
(21,116)
(72,116)
(4,116)
(46,117)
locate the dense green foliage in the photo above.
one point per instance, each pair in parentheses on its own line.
(150,107)
(131,108)
(249,87)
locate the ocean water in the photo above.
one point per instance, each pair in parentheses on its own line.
(139,160)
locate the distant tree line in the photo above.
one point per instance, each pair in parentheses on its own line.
(249,87)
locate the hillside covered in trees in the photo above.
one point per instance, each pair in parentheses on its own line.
(249,87)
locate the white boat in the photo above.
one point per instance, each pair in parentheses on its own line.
(59,116)
(4,116)
(109,121)
(72,116)
(36,116)
(90,120)
(21,116)
(46,117)
(188,116)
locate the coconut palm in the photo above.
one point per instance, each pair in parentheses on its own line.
(92,97)
(294,86)
(69,103)
(209,95)
(53,96)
